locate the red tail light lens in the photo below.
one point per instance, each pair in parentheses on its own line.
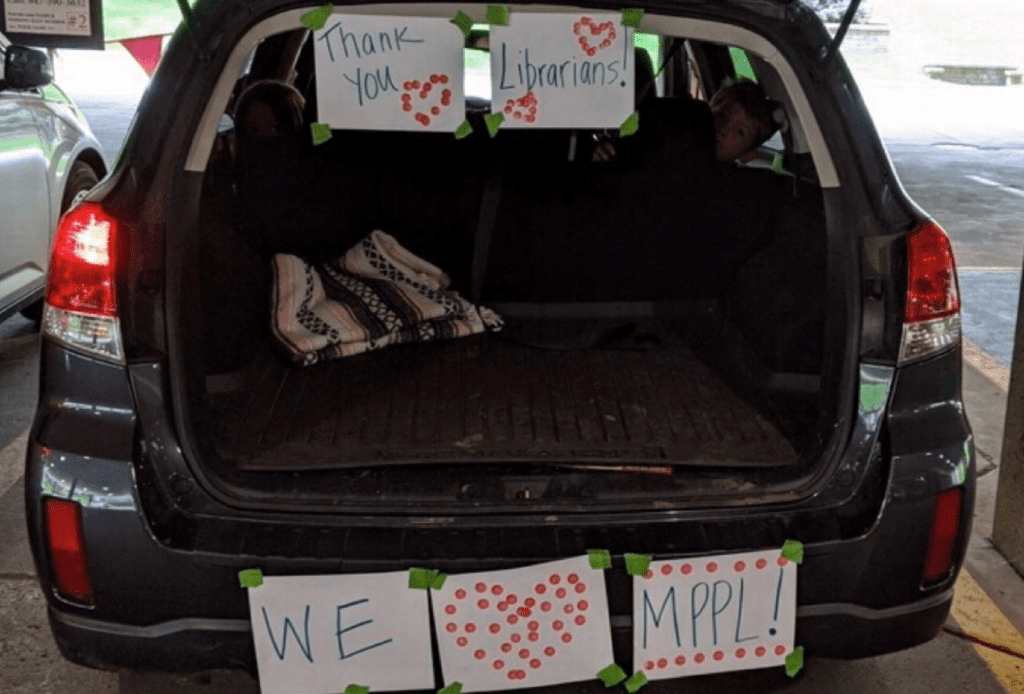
(942,538)
(931,319)
(67,548)
(82,265)
(81,293)
(931,275)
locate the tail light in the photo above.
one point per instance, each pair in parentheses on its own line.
(67,548)
(942,537)
(81,292)
(931,320)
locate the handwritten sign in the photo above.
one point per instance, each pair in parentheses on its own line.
(389,73)
(714,614)
(529,627)
(318,634)
(562,70)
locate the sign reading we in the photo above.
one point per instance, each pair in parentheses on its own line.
(324,632)
(389,73)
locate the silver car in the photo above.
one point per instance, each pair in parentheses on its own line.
(48,157)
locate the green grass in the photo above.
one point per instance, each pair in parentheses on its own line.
(124,19)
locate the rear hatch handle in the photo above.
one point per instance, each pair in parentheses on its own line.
(831,49)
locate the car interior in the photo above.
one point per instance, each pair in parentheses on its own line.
(692,284)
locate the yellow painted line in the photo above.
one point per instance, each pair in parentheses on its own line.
(978,616)
(987,365)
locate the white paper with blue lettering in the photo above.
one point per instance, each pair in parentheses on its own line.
(714,614)
(318,634)
(389,73)
(562,70)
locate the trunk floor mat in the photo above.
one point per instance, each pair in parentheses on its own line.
(485,398)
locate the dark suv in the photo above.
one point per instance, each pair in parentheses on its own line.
(700,362)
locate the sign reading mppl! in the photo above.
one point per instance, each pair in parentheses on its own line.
(389,73)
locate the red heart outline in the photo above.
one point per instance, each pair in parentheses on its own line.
(533,628)
(595,30)
(423,90)
(524,108)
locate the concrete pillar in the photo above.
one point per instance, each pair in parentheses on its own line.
(1008,529)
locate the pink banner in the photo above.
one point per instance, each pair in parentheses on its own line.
(146,51)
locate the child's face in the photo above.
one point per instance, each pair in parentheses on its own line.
(259,121)
(735,132)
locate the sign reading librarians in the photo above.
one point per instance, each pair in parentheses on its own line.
(562,70)
(389,73)
(53,23)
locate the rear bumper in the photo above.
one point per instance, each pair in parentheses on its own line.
(173,603)
(194,645)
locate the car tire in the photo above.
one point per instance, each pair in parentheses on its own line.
(81,180)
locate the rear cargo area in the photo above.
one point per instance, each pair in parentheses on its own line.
(661,311)
(643,398)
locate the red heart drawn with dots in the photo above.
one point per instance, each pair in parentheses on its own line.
(524,108)
(426,99)
(587,28)
(518,632)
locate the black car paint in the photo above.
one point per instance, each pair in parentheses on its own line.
(165,544)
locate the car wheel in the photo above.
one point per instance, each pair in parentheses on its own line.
(81,180)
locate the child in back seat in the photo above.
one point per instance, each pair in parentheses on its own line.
(267,108)
(744,119)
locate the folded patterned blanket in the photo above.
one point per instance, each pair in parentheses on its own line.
(377,294)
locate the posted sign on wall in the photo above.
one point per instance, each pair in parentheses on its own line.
(53,23)
(389,73)
(562,70)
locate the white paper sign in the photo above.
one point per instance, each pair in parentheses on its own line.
(530,627)
(318,634)
(714,614)
(389,73)
(58,17)
(562,70)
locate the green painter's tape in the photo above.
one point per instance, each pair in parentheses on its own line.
(494,121)
(453,688)
(463,21)
(611,675)
(634,683)
(464,130)
(357,689)
(315,19)
(793,550)
(437,580)
(630,125)
(632,16)
(599,558)
(321,133)
(873,395)
(637,564)
(250,578)
(497,15)
(420,578)
(795,661)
